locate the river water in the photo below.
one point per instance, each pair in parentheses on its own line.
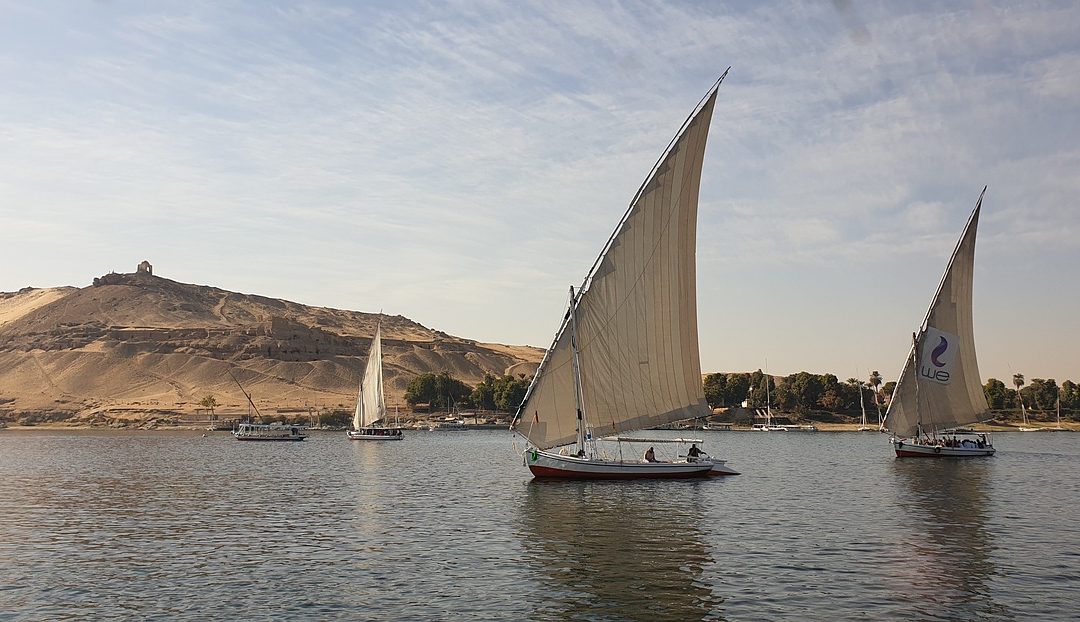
(449,526)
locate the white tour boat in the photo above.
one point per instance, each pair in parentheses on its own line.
(265,431)
(269,432)
(625,356)
(449,424)
(939,389)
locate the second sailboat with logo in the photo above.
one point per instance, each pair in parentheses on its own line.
(939,390)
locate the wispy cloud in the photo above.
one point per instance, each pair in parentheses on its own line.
(462,163)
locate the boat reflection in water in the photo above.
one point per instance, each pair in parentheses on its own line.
(606,551)
(946,563)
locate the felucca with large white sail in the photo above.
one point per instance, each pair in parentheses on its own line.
(939,390)
(625,357)
(370,403)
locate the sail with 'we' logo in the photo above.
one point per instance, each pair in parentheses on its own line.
(940,388)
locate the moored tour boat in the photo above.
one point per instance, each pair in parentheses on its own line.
(939,389)
(449,424)
(269,432)
(625,356)
(370,401)
(265,431)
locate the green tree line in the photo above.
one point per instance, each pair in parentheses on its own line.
(1040,394)
(444,390)
(804,392)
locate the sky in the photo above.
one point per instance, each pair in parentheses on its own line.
(463,163)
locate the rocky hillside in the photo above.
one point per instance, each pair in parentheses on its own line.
(141,344)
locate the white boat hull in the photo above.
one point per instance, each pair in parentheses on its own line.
(549,465)
(907,449)
(719,467)
(376,434)
(256,432)
(761,427)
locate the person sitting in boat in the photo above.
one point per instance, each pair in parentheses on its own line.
(693,454)
(650,455)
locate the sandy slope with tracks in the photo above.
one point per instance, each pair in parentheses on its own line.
(145,344)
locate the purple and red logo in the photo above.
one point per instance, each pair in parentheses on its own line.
(937,356)
(938,351)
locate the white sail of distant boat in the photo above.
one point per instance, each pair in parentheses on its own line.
(625,357)
(1057,427)
(863,425)
(1054,428)
(370,401)
(768,408)
(939,390)
(1025,426)
(768,426)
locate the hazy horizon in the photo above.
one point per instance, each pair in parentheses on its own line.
(463,164)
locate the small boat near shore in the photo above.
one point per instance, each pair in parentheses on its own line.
(248,431)
(1025,426)
(863,425)
(1057,427)
(449,424)
(269,432)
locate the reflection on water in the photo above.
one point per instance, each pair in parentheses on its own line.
(608,551)
(950,550)
(177,526)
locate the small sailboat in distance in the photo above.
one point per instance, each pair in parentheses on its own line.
(939,390)
(625,357)
(863,425)
(370,401)
(1057,427)
(1025,426)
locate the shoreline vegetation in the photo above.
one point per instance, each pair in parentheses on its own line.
(738,400)
(991,427)
(1005,422)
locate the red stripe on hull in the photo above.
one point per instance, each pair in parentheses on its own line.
(550,473)
(916,454)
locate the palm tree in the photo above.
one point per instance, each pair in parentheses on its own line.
(875,382)
(1018,382)
(210,403)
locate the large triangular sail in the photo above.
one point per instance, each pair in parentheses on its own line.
(635,314)
(370,404)
(940,387)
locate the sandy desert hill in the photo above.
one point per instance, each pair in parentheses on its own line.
(138,343)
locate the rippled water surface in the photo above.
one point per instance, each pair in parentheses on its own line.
(448,526)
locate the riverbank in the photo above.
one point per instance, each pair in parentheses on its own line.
(1069,426)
